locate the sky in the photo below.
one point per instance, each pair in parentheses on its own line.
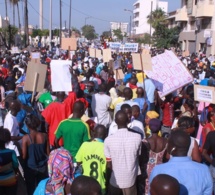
(98,13)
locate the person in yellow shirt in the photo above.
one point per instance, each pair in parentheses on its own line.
(120,97)
(140,76)
(150,115)
(91,156)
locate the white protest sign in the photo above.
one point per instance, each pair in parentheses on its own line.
(60,75)
(15,50)
(131,47)
(114,46)
(168,73)
(204,93)
(35,55)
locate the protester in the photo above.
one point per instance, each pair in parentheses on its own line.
(61,174)
(149,115)
(73,131)
(133,125)
(209,148)
(188,124)
(85,185)
(100,105)
(154,148)
(35,151)
(164,184)
(91,157)
(195,177)
(8,164)
(122,157)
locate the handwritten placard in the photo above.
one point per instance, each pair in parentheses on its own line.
(204,93)
(169,73)
(35,55)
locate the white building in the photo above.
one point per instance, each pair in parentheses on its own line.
(142,8)
(3,22)
(119,25)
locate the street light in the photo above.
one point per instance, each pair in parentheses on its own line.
(86,20)
(128,10)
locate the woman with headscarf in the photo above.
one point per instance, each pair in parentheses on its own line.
(149,115)
(152,152)
(61,174)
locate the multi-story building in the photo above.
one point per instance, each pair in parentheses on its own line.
(196,18)
(118,25)
(142,9)
(3,22)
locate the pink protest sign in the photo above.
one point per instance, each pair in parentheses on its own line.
(168,73)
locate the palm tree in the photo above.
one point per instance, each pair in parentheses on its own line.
(14,3)
(6,9)
(157,17)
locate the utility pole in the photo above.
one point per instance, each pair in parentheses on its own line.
(41,14)
(151,22)
(50,27)
(26,39)
(70,10)
(60,20)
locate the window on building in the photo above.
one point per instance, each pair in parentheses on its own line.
(192,25)
(206,23)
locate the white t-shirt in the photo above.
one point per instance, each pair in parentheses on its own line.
(12,125)
(100,104)
(135,125)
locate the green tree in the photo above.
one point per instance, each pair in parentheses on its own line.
(106,34)
(76,31)
(157,17)
(7,35)
(89,32)
(146,39)
(164,37)
(118,34)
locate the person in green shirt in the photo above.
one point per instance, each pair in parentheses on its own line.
(73,131)
(91,156)
(45,99)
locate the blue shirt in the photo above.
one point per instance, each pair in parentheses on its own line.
(194,176)
(127,77)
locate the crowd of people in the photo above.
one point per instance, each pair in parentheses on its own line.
(109,135)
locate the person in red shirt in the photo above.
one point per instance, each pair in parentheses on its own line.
(209,126)
(57,111)
(168,115)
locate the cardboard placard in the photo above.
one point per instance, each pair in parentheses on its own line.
(117,64)
(136,61)
(145,51)
(204,93)
(69,44)
(119,74)
(35,55)
(32,70)
(107,55)
(92,52)
(169,73)
(61,76)
(146,61)
(98,53)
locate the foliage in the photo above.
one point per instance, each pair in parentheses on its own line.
(89,32)
(76,30)
(7,35)
(106,34)
(164,37)
(39,32)
(157,17)
(118,34)
(145,40)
